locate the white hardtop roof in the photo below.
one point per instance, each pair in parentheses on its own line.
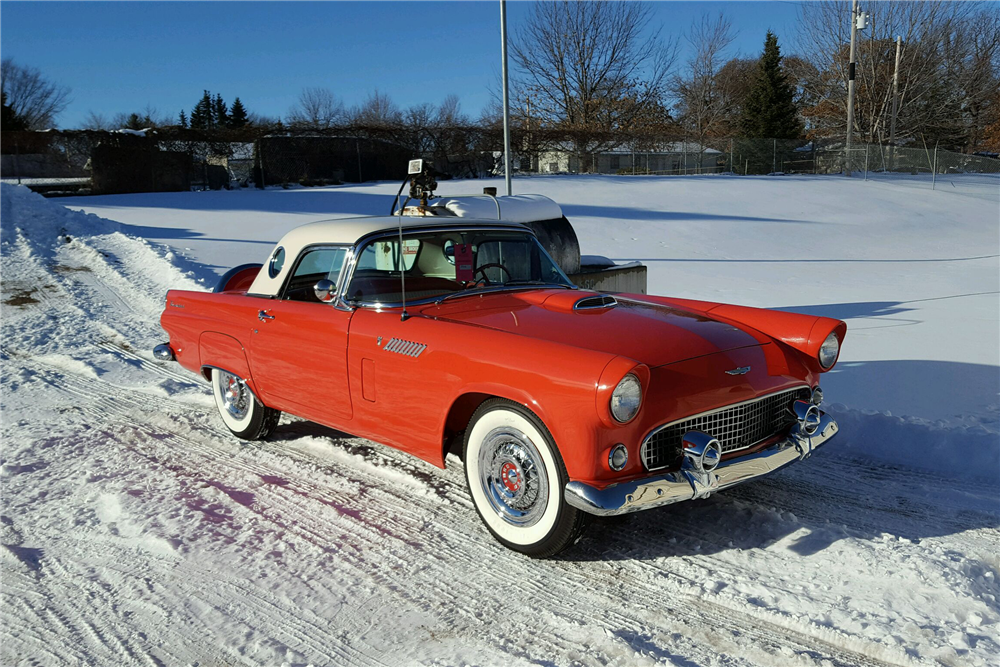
(513,208)
(347,231)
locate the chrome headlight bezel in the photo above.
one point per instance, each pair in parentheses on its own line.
(626,399)
(611,457)
(829,351)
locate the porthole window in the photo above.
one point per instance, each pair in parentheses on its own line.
(277,261)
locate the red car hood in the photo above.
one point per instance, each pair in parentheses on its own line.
(649,333)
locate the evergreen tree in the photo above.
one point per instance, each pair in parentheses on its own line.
(203,114)
(769,110)
(134,122)
(183,120)
(10,120)
(237,114)
(220,112)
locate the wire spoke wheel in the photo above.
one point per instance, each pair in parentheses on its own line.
(513,476)
(241,411)
(517,479)
(235,395)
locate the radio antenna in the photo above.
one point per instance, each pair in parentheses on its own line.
(414,169)
(402,268)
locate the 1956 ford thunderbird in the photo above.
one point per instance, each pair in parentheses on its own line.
(420,333)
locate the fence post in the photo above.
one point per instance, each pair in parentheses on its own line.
(152,163)
(867,147)
(746,167)
(357,146)
(934,169)
(814,156)
(17,161)
(774,155)
(260,157)
(732,159)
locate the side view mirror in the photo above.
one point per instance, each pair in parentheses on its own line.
(325,290)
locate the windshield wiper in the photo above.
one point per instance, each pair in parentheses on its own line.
(537,282)
(499,288)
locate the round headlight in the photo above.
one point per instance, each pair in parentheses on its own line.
(828,352)
(626,398)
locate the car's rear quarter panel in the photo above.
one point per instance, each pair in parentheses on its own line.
(211,329)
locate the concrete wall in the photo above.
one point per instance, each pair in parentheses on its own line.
(630,279)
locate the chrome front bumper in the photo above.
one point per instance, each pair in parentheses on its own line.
(689,483)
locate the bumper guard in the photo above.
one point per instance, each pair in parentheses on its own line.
(690,482)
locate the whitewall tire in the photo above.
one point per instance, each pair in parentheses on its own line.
(517,478)
(242,413)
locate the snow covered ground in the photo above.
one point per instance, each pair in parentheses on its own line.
(136,530)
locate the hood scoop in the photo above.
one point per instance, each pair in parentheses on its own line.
(596,301)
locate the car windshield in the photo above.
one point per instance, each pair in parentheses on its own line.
(443,263)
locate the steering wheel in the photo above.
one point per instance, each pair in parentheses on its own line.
(482,269)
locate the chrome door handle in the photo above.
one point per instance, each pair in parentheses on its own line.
(263,316)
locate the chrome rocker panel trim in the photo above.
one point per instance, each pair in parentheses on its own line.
(690,483)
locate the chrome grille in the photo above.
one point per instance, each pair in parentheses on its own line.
(735,427)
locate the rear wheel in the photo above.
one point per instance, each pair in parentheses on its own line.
(516,478)
(240,410)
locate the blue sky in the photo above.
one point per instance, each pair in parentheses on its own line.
(121,56)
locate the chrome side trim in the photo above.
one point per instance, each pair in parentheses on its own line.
(599,301)
(409,348)
(689,483)
(649,436)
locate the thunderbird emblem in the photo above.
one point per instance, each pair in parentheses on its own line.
(742,370)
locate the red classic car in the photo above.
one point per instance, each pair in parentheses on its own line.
(421,332)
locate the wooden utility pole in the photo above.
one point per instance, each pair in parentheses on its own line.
(895,106)
(850,87)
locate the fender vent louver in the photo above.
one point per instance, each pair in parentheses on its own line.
(409,348)
(601,301)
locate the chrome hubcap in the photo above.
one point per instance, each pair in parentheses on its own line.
(235,395)
(512,476)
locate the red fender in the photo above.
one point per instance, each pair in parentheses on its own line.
(225,352)
(804,333)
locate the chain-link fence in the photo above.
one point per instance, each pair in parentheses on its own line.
(179,159)
(927,167)
(81,162)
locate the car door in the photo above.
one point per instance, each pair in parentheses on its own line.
(298,351)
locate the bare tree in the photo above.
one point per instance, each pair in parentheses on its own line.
(704,103)
(33,98)
(379,111)
(949,71)
(96,121)
(317,108)
(449,112)
(264,122)
(149,117)
(590,68)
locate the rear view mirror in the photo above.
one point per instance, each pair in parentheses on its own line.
(325,290)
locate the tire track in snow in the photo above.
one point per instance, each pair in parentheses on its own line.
(774,636)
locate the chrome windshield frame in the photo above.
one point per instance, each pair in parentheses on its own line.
(351,264)
(348,256)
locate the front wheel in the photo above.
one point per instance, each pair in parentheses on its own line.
(516,478)
(247,418)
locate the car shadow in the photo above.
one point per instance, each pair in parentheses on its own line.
(804,510)
(629,213)
(329,201)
